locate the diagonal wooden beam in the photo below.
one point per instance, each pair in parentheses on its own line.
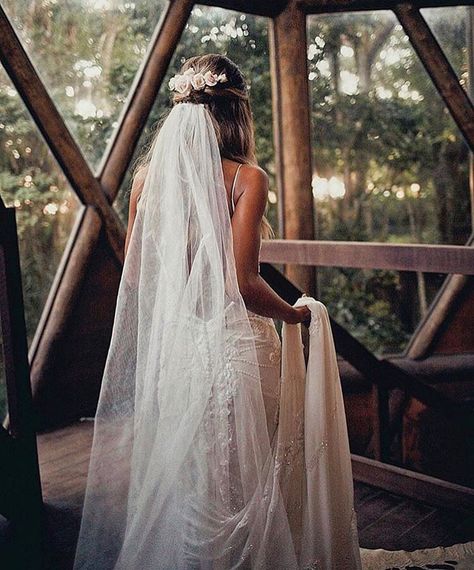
(142,95)
(55,132)
(439,69)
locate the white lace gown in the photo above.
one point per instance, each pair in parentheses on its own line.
(306,423)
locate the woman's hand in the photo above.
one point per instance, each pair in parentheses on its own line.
(299,315)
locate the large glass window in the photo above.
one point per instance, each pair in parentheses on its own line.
(389,165)
(46,207)
(244,38)
(87,52)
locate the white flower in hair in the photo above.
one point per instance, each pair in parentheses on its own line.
(187,81)
(198,81)
(182,84)
(211,78)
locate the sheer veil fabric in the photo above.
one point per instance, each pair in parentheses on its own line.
(181,472)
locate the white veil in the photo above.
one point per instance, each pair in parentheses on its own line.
(181,473)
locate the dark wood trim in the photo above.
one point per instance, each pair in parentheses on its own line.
(418,486)
(366,255)
(142,96)
(439,69)
(55,132)
(328,6)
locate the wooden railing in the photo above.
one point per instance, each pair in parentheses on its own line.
(367,255)
(383,374)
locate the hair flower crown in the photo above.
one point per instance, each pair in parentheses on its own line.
(189,80)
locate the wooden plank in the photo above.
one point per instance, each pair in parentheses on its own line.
(327,6)
(439,69)
(55,132)
(365,255)
(411,484)
(289,64)
(142,96)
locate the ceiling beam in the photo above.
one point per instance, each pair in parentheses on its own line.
(143,95)
(438,68)
(256,7)
(328,6)
(55,132)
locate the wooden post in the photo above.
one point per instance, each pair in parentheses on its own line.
(292,133)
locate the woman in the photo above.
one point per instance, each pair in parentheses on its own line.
(182,473)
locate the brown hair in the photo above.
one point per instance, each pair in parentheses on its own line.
(229,106)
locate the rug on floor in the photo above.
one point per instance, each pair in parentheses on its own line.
(455,557)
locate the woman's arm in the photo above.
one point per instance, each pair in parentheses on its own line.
(259,297)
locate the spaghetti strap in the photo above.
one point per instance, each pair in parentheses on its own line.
(233,187)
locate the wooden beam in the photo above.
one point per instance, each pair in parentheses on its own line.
(439,69)
(411,484)
(289,65)
(327,6)
(256,7)
(54,130)
(142,96)
(365,255)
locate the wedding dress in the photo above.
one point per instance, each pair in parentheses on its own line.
(203,425)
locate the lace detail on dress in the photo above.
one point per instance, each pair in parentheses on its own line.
(314,459)
(291,451)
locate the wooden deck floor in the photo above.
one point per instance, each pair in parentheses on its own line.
(385,520)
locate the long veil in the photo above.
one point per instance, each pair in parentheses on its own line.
(181,473)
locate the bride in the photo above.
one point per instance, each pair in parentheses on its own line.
(182,471)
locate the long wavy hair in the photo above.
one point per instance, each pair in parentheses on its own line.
(229,107)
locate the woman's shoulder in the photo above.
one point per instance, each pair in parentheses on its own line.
(253,184)
(254,175)
(253,181)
